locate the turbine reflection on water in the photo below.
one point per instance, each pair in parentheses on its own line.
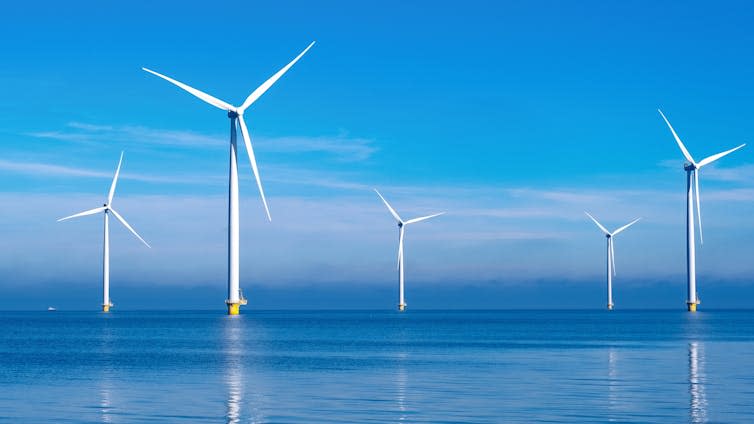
(401,379)
(232,336)
(612,380)
(108,370)
(698,405)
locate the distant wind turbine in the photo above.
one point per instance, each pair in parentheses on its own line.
(692,190)
(610,255)
(235,298)
(107,208)
(401,230)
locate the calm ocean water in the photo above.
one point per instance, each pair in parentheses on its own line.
(420,366)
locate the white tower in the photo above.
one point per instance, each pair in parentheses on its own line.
(610,255)
(107,208)
(401,232)
(692,191)
(236,115)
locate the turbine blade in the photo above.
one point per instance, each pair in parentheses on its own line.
(598,224)
(253,160)
(123,221)
(202,95)
(411,221)
(698,205)
(626,226)
(612,254)
(115,181)
(678,140)
(400,247)
(713,158)
(390,208)
(85,213)
(267,84)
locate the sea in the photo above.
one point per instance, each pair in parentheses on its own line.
(377,367)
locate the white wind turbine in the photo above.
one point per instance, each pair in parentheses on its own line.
(610,255)
(401,231)
(692,190)
(107,208)
(235,298)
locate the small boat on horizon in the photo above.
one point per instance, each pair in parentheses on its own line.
(51,308)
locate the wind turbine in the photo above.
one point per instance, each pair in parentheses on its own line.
(692,190)
(107,208)
(401,231)
(235,113)
(610,255)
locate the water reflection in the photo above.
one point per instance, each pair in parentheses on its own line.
(401,380)
(612,381)
(107,377)
(698,406)
(232,336)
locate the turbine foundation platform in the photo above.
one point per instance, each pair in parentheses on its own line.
(609,306)
(402,307)
(106,308)
(235,308)
(692,306)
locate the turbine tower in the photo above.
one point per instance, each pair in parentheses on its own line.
(610,255)
(235,113)
(107,208)
(401,231)
(692,191)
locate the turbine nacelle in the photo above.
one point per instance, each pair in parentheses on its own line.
(237,112)
(695,166)
(402,224)
(609,236)
(106,208)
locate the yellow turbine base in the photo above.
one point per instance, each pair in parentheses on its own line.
(234,308)
(105,308)
(402,307)
(692,307)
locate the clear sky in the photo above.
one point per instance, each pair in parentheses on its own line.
(514,117)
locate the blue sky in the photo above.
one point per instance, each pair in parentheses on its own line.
(514,117)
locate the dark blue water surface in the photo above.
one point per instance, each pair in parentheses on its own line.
(382,366)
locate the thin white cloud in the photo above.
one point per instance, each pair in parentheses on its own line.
(341,147)
(44,169)
(739,174)
(87,133)
(32,168)
(512,235)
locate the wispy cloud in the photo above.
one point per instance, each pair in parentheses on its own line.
(564,195)
(740,174)
(512,235)
(341,146)
(87,133)
(313,178)
(44,169)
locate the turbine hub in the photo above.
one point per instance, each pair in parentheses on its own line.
(607,235)
(232,114)
(689,166)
